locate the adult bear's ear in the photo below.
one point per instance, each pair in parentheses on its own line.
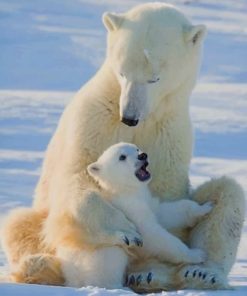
(195,34)
(94,169)
(112,21)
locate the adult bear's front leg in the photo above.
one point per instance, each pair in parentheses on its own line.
(218,234)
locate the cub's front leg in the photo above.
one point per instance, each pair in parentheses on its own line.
(84,219)
(181,214)
(105,224)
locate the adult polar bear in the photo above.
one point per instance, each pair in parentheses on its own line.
(139,95)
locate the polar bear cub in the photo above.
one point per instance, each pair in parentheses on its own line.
(122,172)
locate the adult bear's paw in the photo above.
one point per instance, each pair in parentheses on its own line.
(200,277)
(42,269)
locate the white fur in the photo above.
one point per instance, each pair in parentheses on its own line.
(182,213)
(92,122)
(106,267)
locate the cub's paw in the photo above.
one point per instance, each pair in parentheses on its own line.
(139,281)
(130,239)
(199,277)
(196,256)
(149,281)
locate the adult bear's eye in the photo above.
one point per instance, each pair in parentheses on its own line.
(122,157)
(153,80)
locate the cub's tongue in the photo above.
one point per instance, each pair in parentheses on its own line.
(142,174)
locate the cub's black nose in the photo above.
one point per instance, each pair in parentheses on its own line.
(130,122)
(142,156)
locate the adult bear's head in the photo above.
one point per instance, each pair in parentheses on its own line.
(153,50)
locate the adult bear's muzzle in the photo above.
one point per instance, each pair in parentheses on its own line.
(133,102)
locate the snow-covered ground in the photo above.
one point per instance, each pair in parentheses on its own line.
(49,48)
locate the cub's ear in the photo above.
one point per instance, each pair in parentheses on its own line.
(195,34)
(112,21)
(94,169)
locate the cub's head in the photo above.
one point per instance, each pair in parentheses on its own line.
(154,52)
(121,167)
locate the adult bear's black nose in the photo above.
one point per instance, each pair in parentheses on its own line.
(130,122)
(142,156)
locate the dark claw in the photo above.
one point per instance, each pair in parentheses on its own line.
(204,276)
(138,280)
(132,280)
(149,277)
(126,240)
(186,273)
(138,242)
(126,280)
(194,273)
(200,274)
(213,281)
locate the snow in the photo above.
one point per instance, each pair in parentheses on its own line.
(50,48)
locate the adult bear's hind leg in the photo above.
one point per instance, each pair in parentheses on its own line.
(218,233)
(29,259)
(42,269)
(21,234)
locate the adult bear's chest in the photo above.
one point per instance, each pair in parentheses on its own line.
(169,146)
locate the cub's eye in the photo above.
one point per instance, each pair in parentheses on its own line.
(153,80)
(122,157)
(121,74)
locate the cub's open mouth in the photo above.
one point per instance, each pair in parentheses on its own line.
(142,174)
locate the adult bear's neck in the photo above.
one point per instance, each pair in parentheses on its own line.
(108,85)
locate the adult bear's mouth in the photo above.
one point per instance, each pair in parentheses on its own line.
(142,173)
